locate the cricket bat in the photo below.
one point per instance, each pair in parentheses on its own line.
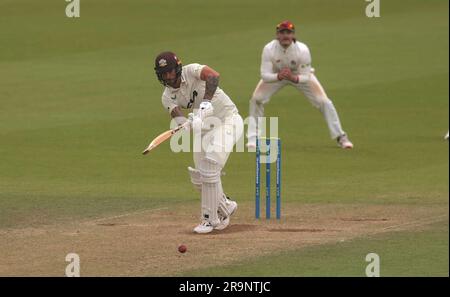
(163,137)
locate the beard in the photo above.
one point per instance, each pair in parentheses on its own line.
(172,83)
(285,41)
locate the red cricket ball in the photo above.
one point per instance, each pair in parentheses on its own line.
(182,248)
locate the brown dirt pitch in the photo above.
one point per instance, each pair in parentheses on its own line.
(145,243)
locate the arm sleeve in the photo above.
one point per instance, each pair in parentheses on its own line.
(168,103)
(267,74)
(304,69)
(193,70)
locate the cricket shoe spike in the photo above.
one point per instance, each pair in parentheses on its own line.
(225,220)
(344,142)
(204,227)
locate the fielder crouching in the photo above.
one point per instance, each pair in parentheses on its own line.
(287,62)
(195,87)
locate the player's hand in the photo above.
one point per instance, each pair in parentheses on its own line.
(284,73)
(205,110)
(190,119)
(293,78)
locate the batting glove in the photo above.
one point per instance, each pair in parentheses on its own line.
(205,110)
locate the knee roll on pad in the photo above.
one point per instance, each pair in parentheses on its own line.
(210,171)
(196,178)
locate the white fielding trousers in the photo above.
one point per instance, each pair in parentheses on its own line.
(313,91)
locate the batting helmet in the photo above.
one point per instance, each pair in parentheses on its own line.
(166,62)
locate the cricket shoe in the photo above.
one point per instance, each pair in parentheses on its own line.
(344,142)
(251,145)
(225,221)
(204,227)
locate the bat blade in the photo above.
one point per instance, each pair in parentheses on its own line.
(161,138)
(157,141)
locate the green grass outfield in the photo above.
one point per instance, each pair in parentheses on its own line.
(400,253)
(79,101)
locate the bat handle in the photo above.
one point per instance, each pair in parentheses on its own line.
(182,126)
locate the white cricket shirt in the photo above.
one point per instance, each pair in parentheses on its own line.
(191,92)
(275,57)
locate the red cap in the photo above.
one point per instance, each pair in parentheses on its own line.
(286,25)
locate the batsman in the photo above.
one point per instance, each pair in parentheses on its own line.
(196,87)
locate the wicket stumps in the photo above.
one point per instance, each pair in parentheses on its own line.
(267,143)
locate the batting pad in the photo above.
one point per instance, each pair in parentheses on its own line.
(212,190)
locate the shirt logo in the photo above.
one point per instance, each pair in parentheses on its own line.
(293,63)
(174,97)
(162,63)
(278,61)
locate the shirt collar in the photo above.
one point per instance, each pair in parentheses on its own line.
(285,49)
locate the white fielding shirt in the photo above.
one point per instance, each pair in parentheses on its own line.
(275,57)
(191,92)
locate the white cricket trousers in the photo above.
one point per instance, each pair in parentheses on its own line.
(218,142)
(216,145)
(312,89)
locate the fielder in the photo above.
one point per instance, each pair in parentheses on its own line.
(287,62)
(195,87)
